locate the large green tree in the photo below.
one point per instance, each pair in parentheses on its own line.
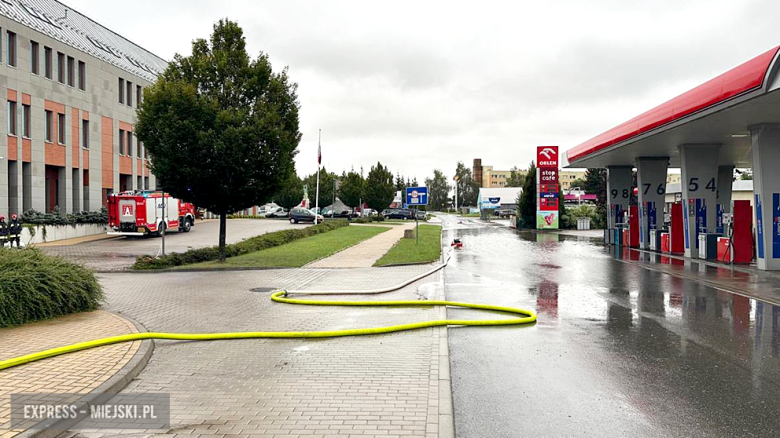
(595,182)
(351,189)
(466,185)
(400,184)
(291,192)
(221,128)
(379,191)
(328,186)
(438,191)
(526,204)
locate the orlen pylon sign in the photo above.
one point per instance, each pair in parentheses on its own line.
(547,193)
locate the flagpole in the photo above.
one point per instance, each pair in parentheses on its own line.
(319,158)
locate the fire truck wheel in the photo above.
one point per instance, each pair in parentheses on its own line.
(186,225)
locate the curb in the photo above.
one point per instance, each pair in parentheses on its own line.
(105,391)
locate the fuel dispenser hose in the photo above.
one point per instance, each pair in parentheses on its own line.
(522,316)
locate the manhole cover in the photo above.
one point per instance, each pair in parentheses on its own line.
(263,289)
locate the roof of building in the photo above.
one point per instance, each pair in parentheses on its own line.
(70,27)
(736,82)
(505,193)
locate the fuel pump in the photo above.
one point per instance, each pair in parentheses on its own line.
(737,244)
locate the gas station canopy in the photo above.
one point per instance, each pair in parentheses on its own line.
(719,111)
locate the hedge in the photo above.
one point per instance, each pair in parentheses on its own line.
(35,217)
(369,219)
(257,243)
(34,287)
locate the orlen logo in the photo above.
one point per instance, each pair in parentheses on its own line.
(547,156)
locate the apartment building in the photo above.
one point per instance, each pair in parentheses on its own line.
(487,177)
(567,177)
(71,89)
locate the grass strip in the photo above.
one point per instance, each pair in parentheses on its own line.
(409,251)
(300,252)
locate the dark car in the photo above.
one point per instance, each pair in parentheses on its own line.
(504,212)
(299,214)
(400,213)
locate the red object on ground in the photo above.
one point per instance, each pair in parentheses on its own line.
(665,242)
(724,249)
(633,227)
(742,238)
(676,232)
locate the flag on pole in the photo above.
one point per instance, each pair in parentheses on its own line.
(319,153)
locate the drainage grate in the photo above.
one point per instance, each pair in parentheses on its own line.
(263,289)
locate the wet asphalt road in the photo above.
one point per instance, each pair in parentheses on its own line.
(618,350)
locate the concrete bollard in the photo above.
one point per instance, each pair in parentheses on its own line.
(408,234)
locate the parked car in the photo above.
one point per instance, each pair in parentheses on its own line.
(421,215)
(276,212)
(300,214)
(400,213)
(504,212)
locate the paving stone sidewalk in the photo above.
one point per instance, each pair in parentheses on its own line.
(366,253)
(77,373)
(371,386)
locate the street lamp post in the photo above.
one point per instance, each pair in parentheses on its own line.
(456,178)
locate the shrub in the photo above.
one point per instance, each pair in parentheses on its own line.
(34,286)
(252,244)
(35,217)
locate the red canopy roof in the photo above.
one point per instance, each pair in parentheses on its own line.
(739,80)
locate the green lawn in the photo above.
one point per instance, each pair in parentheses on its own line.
(299,252)
(409,251)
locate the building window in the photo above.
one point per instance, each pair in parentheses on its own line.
(49,126)
(121,142)
(121,90)
(85,134)
(138,149)
(61,67)
(47,67)
(71,71)
(139,92)
(26,121)
(82,75)
(11,118)
(129,143)
(129,93)
(34,57)
(61,128)
(146,152)
(11,49)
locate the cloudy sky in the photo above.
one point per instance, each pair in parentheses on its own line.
(420,85)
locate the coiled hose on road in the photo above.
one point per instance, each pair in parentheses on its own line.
(525,317)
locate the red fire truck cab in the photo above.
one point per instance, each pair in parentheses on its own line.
(144,212)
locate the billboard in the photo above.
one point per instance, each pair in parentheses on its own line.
(547,188)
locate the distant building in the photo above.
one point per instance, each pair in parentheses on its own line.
(567,177)
(71,90)
(493,198)
(488,177)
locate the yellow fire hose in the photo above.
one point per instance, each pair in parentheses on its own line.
(526,317)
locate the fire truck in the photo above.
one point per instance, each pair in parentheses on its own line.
(141,213)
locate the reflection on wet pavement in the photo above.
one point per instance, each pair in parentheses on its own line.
(618,349)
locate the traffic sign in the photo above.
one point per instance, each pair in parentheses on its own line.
(416,196)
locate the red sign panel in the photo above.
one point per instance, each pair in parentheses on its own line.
(547,157)
(548,176)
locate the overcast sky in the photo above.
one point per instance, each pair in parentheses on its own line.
(420,85)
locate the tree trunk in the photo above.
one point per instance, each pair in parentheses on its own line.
(222,232)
